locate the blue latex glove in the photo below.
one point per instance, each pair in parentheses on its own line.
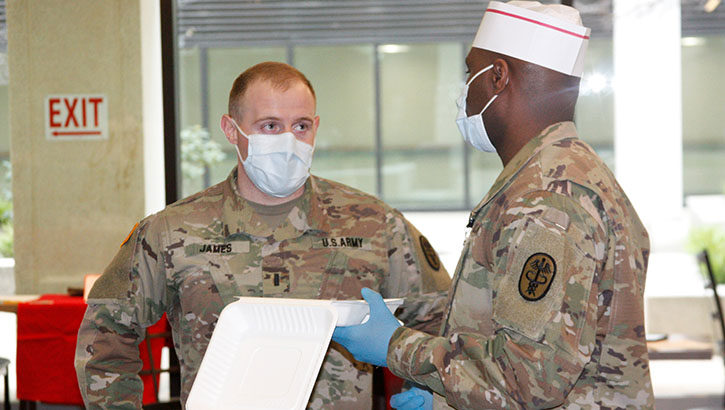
(413,399)
(369,341)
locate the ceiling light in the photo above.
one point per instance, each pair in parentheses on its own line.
(393,48)
(692,41)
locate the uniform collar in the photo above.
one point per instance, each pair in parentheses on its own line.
(550,135)
(239,215)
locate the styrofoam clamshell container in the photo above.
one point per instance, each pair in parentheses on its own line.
(355,312)
(265,354)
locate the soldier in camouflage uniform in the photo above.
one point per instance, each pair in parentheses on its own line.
(546,307)
(324,241)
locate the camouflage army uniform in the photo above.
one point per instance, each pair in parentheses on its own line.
(546,308)
(191,259)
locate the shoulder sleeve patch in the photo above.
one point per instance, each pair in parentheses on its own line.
(536,276)
(129,235)
(430,253)
(530,290)
(115,283)
(435,277)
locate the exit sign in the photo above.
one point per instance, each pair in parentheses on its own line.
(76,117)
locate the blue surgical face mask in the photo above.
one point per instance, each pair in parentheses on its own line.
(472,128)
(276,164)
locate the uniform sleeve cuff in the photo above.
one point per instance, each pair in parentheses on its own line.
(401,351)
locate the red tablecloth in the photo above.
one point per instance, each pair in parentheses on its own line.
(393,385)
(47,334)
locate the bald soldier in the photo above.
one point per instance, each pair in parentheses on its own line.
(546,305)
(269,230)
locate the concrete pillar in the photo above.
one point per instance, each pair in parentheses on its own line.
(76,200)
(648,106)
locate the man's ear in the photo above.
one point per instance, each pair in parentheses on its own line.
(228,128)
(501,74)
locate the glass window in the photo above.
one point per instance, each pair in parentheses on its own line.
(422,163)
(594,114)
(4,109)
(205,78)
(703,126)
(6,197)
(344,82)
(485,168)
(387,112)
(189,88)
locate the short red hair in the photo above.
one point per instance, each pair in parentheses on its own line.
(281,75)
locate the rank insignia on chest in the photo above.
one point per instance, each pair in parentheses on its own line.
(536,276)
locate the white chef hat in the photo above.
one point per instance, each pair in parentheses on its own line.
(550,35)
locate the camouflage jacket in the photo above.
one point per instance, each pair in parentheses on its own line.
(546,307)
(192,258)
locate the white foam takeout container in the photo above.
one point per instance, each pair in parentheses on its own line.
(355,312)
(265,353)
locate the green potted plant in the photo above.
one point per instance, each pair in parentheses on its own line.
(712,239)
(6,211)
(198,154)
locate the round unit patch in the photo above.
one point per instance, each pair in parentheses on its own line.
(430,253)
(536,276)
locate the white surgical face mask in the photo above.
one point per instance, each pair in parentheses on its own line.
(472,128)
(277,164)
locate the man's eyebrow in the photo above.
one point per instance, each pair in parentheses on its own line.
(267,119)
(273,118)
